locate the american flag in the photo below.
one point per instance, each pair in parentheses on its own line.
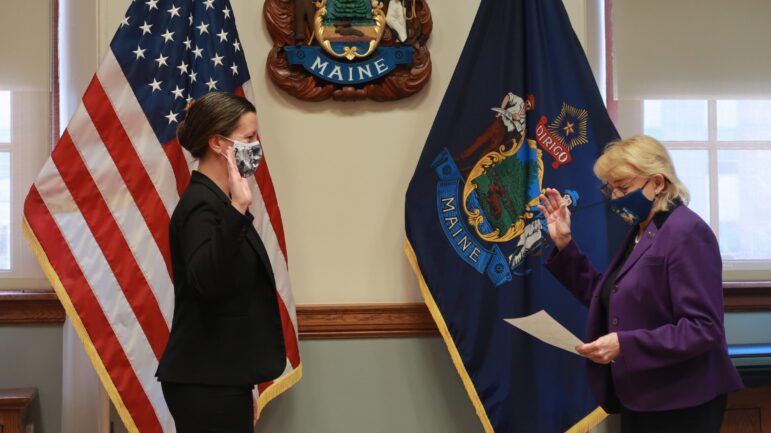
(98,214)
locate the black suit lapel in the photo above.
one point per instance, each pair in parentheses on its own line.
(256,243)
(645,242)
(616,259)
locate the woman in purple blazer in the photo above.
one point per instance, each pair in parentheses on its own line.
(657,351)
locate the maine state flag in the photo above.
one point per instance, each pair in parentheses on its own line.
(521,113)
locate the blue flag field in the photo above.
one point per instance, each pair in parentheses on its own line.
(522,113)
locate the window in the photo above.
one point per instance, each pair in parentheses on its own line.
(5,180)
(25,131)
(715,120)
(722,152)
(24,145)
(5,116)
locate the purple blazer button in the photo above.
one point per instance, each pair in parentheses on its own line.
(615,289)
(614,321)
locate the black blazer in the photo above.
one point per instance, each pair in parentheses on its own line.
(226,328)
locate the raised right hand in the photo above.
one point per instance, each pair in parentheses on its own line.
(557,215)
(240,193)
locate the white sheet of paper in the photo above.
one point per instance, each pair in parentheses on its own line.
(543,327)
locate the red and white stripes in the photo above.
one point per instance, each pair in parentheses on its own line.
(100,212)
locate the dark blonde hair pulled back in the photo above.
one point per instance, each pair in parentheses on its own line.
(215,113)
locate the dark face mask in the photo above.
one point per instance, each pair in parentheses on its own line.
(633,207)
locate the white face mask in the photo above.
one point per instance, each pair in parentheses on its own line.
(248,156)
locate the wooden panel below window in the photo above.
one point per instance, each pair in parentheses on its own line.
(747,296)
(748,411)
(30,307)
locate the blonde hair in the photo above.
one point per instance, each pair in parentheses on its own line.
(642,156)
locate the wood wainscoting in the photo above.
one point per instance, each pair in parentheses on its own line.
(315,321)
(342,320)
(748,411)
(30,307)
(745,296)
(345,320)
(364,320)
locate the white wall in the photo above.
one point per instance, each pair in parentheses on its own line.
(341,169)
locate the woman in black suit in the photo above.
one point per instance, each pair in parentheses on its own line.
(226,332)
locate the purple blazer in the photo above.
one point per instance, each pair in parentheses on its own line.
(667,309)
